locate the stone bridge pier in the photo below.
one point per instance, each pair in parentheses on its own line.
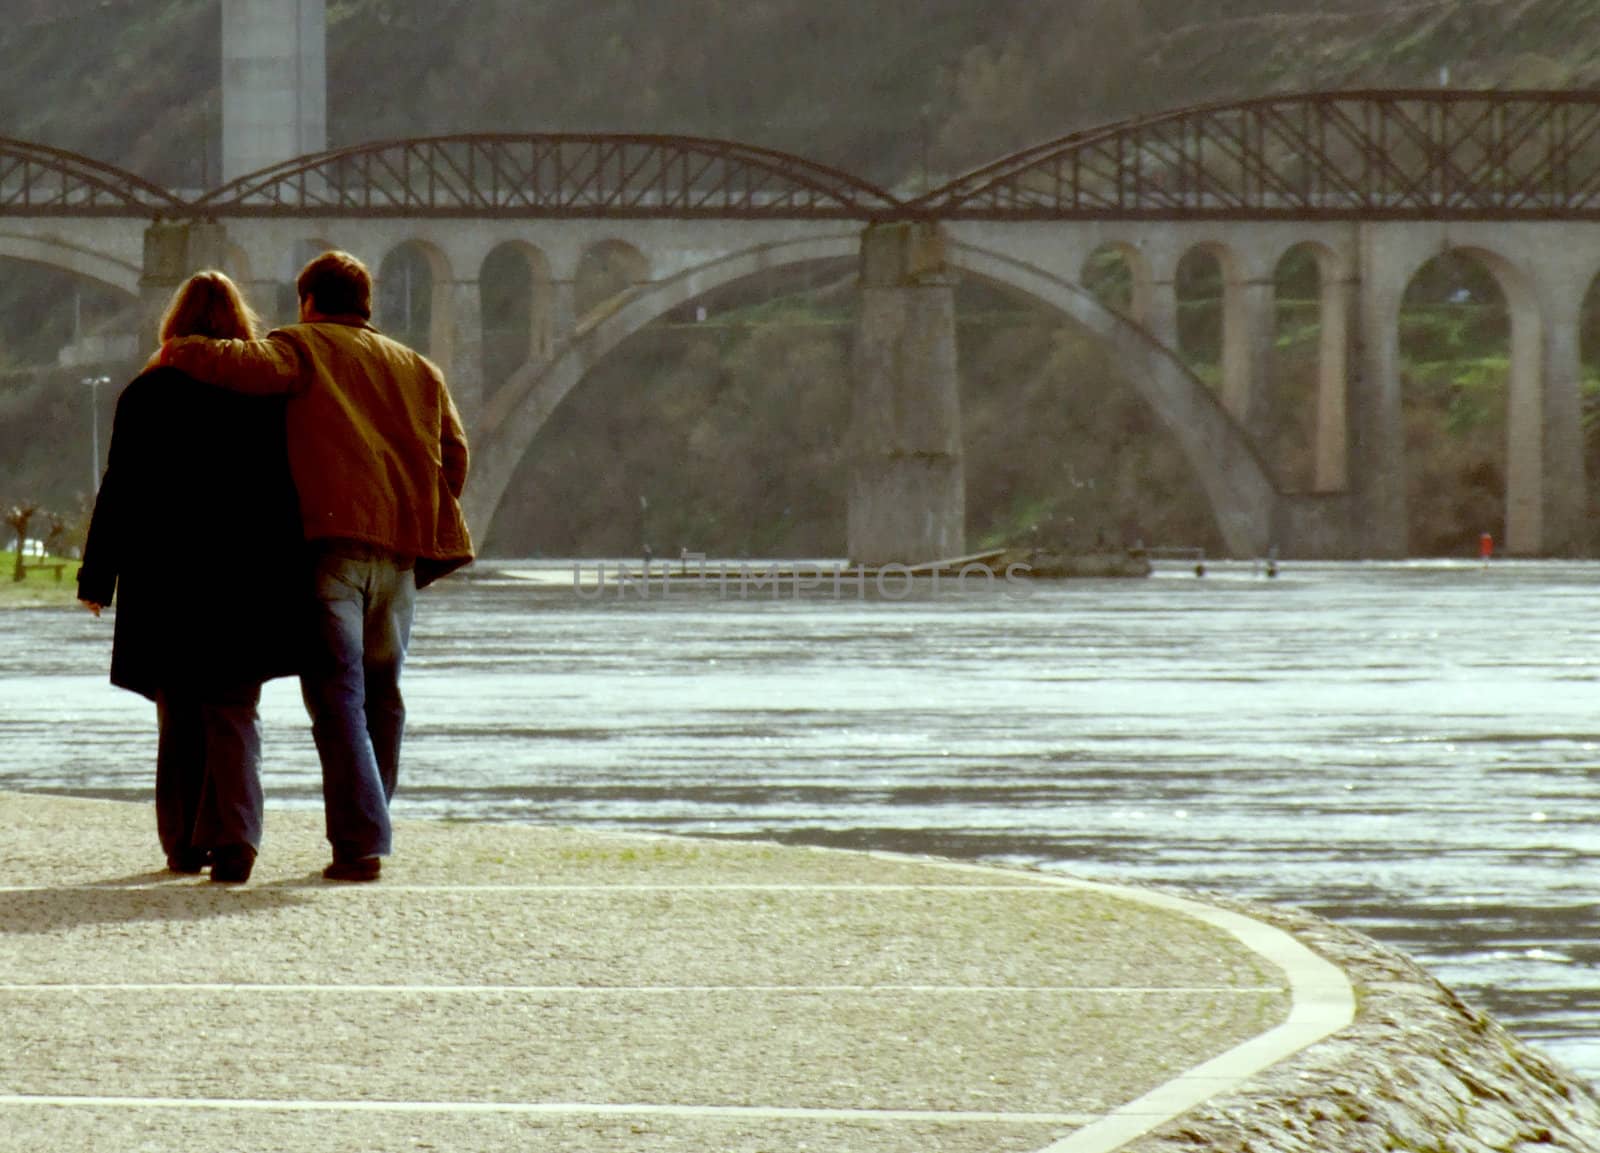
(173,252)
(907,483)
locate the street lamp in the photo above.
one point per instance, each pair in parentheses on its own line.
(94,383)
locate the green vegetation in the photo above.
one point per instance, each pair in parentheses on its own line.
(49,581)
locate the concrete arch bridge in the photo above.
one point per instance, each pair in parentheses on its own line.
(602,234)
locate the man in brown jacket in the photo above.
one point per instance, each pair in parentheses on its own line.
(379,459)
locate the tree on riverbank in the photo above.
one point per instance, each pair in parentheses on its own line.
(19,517)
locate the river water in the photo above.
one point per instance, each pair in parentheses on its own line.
(1410,749)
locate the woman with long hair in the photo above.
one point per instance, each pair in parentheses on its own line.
(196,535)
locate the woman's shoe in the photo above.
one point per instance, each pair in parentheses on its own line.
(354,869)
(188,862)
(231,864)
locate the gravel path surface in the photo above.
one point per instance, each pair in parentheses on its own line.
(508,987)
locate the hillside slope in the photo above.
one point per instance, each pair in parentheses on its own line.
(874,87)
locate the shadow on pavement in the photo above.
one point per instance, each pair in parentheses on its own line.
(40,912)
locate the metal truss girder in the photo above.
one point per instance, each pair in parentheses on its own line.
(1371,154)
(36,180)
(553,175)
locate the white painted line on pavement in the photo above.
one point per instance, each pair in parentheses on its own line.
(269,987)
(378,888)
(578,1108)
(1323,1003)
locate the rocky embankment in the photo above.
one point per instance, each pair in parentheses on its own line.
(1419,1071)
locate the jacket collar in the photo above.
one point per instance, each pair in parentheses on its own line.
(348,319)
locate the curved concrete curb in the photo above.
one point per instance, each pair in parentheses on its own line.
(1418,1069)
(1324,1002)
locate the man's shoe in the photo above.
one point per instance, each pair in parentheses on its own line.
(231,864)
(353,869)
(188,862)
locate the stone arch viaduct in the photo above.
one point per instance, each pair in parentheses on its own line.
(1373,185)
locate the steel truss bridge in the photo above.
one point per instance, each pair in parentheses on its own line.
(1367,155)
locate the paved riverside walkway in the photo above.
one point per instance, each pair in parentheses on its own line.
(510,987)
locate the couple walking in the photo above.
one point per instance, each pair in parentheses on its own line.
(314,479)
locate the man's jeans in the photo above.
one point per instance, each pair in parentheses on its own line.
(208,768)
(362,624)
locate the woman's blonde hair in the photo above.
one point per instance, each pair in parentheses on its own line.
(209,304)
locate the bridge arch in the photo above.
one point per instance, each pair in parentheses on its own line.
(412,286)
(517,309)
(513,416)
(1119,274)
(281,268)
(1242,333)
(1334,315)
(1524,391)
(1241,493)
(1203,335)
(1243,497)
(607,271)
(1585,353)
(111,271)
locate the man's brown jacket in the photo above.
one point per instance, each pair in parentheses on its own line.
(376,445)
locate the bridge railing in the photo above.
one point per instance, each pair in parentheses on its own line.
(1366,154)
(36,180)
(552,176)
(1410,154)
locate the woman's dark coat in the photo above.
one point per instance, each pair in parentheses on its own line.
(197,530)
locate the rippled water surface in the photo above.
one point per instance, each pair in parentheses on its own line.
(1409,749)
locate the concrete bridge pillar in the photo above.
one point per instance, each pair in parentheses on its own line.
(1156,308)
(1247,335)
(556,291)
(464,369)
(274,82)
(554,318)
(907,481)
(174,250)
(1525,403)
(1565,487)
(1377,434)
(563,315)
(1338,351)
